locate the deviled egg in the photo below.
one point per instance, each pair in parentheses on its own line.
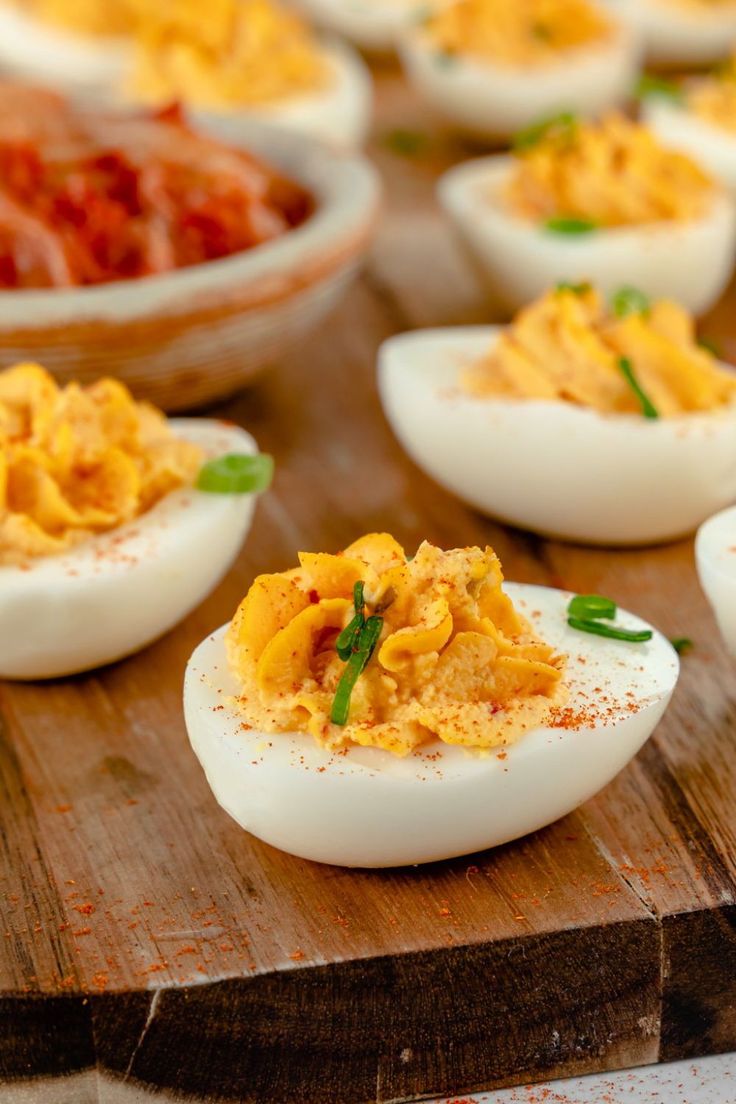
(698,116)
(366,709)
(114,522)
(681,32)
(254,58)
(494,66)
(606,426)
(594,201)
(715,556)
(374,25)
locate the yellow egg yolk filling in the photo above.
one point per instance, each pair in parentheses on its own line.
(87,17)
(454,659)
(225,53)
(567,347)
(512,33)
(713,98)
(610,173)
(76,461)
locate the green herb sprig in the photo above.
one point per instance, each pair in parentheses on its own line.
(648,408)
(629,300)
(573,227)
(236,473)
(562,125)
(650,86)
(681,644)
(590,612)
(355,646)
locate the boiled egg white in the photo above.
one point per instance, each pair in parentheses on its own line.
(34,50)
(364,807)
(715,556)
(553,467)
(494,101)
(712,146)
(689,262)
(113,594)
(681,32)
(373,25)
(338,114)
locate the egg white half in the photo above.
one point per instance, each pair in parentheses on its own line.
(676,35)
(115,593)
(373,25)
(689,262)
(338,114)
(367,808)
(68,62)
(493,101)
(553,467)
(712,146)
(715,556)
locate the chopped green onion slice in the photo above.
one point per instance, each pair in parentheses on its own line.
(347,641)
(648,408)
(598,628)
(236,473)
(576,289)
(649,85)
(629,300)
(591,607)
(357,663)
(682,644)
(561,224)
(563,125)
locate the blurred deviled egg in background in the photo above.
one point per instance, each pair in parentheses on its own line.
(604,424)
(697,116)
(715,556)
(373,709)
(604,202)
(115,522)
(681,32)
(492,67)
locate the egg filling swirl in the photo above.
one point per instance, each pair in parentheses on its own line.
(454,660)
(76,461)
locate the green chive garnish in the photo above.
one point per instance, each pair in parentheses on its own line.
(347,641)
(629,300)
(357,663)
(236,473)
(591,607)
(682,644)
(648,408)
(561,224)
(649,86)
(576,289)
(561,125)
(598,628)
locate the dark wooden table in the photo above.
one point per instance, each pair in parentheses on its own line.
(148,942)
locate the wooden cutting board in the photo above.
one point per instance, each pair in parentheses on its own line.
(148,943)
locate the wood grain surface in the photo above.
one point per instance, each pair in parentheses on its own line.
(147,939)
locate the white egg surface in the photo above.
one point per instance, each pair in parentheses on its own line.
(366,807)
(59,59)
(553,467)
(373,25)
(690,262)
(712,146)
(675,32)
(494,101)
(115,593)
(715,556)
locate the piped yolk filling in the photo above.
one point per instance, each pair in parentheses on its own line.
(454,660)
(567,346)
(610,173)
(76,461)
(713,98)
(508,32)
